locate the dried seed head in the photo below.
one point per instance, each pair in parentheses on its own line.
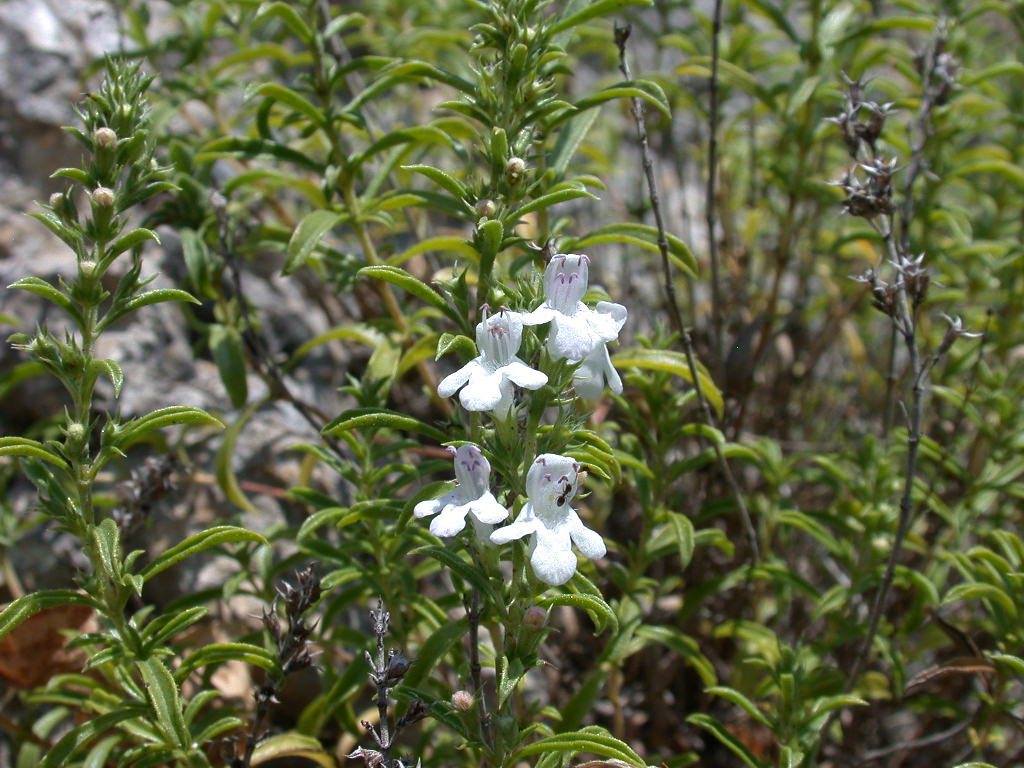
(103,197)
(462,701)
(105,138)
(397,666)
(417,711)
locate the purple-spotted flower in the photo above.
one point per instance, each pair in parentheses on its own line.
(472,495)
(551,522)
(579,333)
(486,381)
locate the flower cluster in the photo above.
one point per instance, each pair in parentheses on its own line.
(547,517)
(578,335)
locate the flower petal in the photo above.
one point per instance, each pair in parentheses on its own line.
(454,382)
(539,316)
(483,392)
(451,520)
(571,337)
(524,525)
(427,508)
(523,375)
(589,379)
(588,542)
(486,509)
(553,562)
(608,320)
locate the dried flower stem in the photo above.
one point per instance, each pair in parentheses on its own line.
(710,210)
(475,671)
(621,36)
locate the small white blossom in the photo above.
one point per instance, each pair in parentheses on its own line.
(486,381)
(552,523)
(471,495)
(579,333)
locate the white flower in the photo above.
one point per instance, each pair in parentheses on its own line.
(486,381)
(596,371)
(553,524)
(576,329)
(471,495)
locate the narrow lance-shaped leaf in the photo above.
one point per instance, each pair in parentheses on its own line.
(307,237)
(30,449)
(221,534)
(27,605)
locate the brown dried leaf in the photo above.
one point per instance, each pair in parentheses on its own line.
(35,650)
(965,665)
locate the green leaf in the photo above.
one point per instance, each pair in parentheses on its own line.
(980,591)
(641,235)
(291,746)
(550,199)
(165,700)
(229,354)
(684,646)
(719,731)
(357,332)
(164,417)
(682,530)
(741,701)
(307,236)
(60,753)
(674,363)
(433,650)
(223,467)
(286,13)
(42,288)
(379,418)
(28,605)
(235,145)
(22,446)
(468,572)
(592,11)
(111,370)
(294,100)
(463,345)
(218,653)
(569,140)
(593,739)
(442,179)
(599,611)
(447,243)
(401,278)
(1004,168)
(221,534)
(644,90)
(144,300)
(130,240)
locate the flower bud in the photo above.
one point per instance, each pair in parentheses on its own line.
(57,200)
(514,169)
(75,432)
(462,701)
(105,138)
(486,208)
(103,197)
(87,268)
(535,617)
